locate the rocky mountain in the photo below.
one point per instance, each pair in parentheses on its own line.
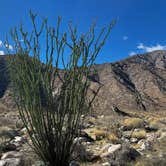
(136,83)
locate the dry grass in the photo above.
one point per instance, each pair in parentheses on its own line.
(96,134)
(136,146)
(140,134)
(100,134)
(113,138)
(155,124)
(131,123)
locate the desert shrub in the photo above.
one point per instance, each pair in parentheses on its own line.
(140,134)
(51,101)
(100,134)
(96,134)
(113,138)
(131,123)
(154,125)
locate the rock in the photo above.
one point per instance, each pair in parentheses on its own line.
(105,148)
(11,154)
(85,135)
(127,134)
(19,139)
(125,154)
(38,163)
(133,140)
(140,142)
(147,145)
(106,164)
(125,140)
(114,148)
(111,150)
(23,131)
(9,133)
(19,124)
(152,137)
(74,163)
(84,154)
(2,162)
(10,162)
(9,147)
(151,128)
(162,136)
(80,140)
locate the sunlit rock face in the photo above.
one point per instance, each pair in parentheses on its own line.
(136,83)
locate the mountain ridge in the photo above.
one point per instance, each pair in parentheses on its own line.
(135,83)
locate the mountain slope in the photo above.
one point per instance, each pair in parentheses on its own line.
(136,83)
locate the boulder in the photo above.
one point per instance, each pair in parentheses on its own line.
(10,162)
(111,149)
(133,140)
(11,154)
(83,154)
(147,145)
(9,147)
(106,164)
(127,134)
(126,154)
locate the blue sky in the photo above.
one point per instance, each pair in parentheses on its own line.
(141,24)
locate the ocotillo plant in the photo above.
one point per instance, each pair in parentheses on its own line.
(51,101)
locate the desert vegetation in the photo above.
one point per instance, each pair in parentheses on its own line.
(51,105)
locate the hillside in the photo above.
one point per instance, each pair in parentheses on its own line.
(129,136)
(136,83)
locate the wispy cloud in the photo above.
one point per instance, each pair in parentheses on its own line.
(1,43)
(132,53)
(2,52)
(125,37)
(141,46)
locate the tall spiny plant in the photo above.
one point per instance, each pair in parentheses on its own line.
(51,101)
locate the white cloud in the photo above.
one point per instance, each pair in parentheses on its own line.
(2,52)
(10,47)
(141,46)
(1,43)
(132,53)
(125,37)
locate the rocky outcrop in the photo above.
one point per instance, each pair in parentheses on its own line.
(136,83)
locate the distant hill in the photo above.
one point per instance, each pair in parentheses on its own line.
(136,83)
